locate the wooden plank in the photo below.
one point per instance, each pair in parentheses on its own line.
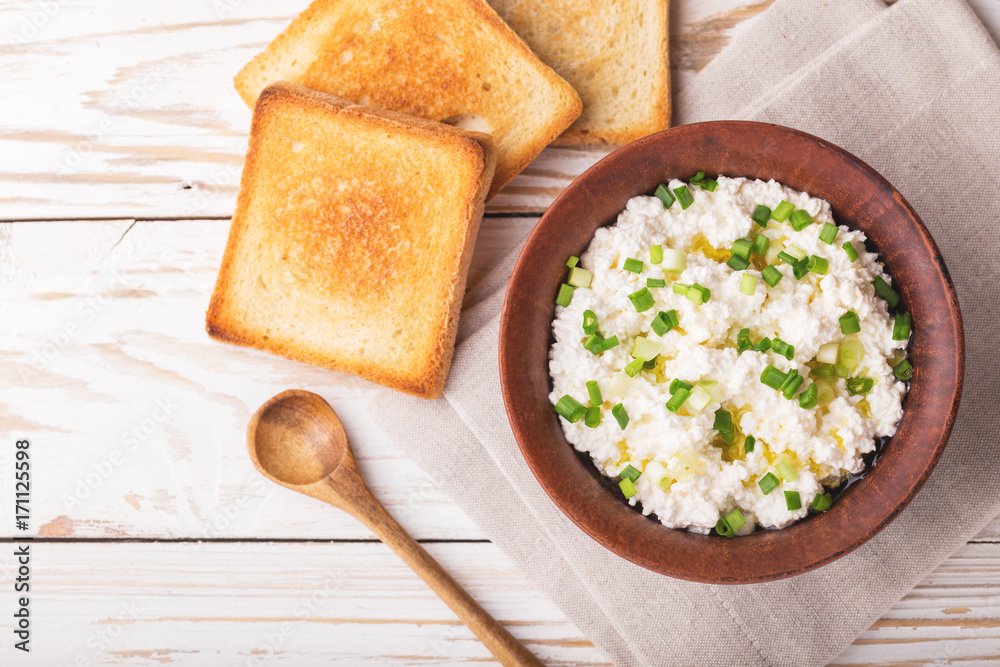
(110,355)
(133,113)
(357,604)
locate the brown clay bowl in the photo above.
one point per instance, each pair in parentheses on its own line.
(860,199)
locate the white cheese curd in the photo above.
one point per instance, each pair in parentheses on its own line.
(704,476)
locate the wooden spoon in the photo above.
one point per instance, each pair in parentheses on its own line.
(297,441)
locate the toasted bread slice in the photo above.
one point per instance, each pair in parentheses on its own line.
(448,60)
(613,53)
(352,237)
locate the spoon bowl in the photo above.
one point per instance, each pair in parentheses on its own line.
(296,440)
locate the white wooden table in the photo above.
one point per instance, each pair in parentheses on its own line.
(121,143)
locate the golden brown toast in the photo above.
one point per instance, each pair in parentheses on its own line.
(613,53)
(448,60)
(352,237)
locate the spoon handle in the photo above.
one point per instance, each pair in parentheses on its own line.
(503,645)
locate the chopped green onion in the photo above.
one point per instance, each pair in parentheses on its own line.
(664,322)
(570,409)
(828,234)
(594,391)
(796,252)
(782,211)
(589,322)
(633,265)
(735,520)
(642,300)
(723,422)
(698,295)
(749,444)
(630,472)
(710,184)
(627,487)
(565,295)
(792,384)
(850,353)
(773,378)
(763,345)
(593,343)
(674,261)
(793,501)
(645,349)
(663,194)
(883,290)
(684,197)
(788,258)
(699,398)
(723,529)
(818,265)
(900,326)
(784,349)
(849,323)
(680,288)
(760,244)
(738,263)
(678,384)
(771,275)
(808,398)
(841,370)
(748,284)
(824,393)
(633,367)
(828,353)
(678,399)
(823,371)
(655,254)
(580,277)
(650,364)
(768,483)
(800,219)
(761,215)
(903,370)
(620,415)
(859,386)
(822,502)
(743,342)
(852,254)
(609,343)
(785,469)
(697,178)
(656,282)
(592,418)
(800,269)
(742,247)
(572,261)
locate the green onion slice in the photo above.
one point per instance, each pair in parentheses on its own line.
(792,385)
(618,412)
(645,349)
(809,397)
(788,258)
(656,282)
(592,418)
(678,399)
(901,326)
(885,291)
(633,265)
(663,194)
(572,261)
(761,215)
(676,384)
(664,322)
(763,345)
(627,487)
(642,300)
(655,254)
(589,322)
(738,263)
(818,265)
(698,178)
(609,343)
(710,184)
(828,353)
(773,378)
(735,520)
(680,288)
(903,370)
(859,386)
(742,247)
(749,444)
(849,323)
(760,244)
(743,342)
(579,277)
(822,502)
(630,473)
(674,261)
(782,211)
(565,295)
(771,275)
(800,219)
(570,409)
(793,501)
(723,529)
(828,234)
(594,343)
(850,354)
(800,269)
(852,254)
(823,371)
(723,422)
(785,469)
(698,295)
(768,483)
(594,392)
(784,349)
(633,367)
(684,197)
(796,252)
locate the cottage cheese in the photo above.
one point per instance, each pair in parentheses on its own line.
(826,443)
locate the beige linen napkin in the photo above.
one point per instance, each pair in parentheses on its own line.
(914,90)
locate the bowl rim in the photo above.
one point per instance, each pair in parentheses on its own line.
(613,529)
